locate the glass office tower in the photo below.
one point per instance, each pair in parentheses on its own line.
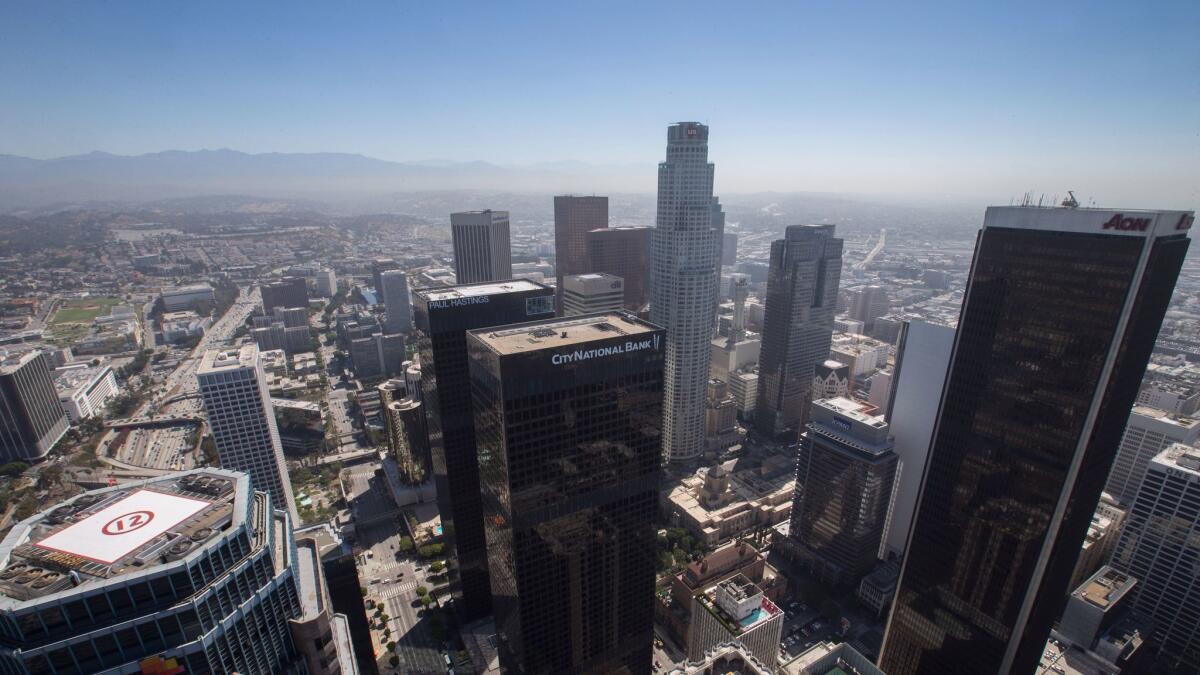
(568,419)
(443,316)
(1060,316)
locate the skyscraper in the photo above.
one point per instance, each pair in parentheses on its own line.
(718,226)
(286,293)
(396,302)
(190,572)
(922,359)
(802,288)
(867,304)
(1160,546)
(621,252)
(481,246)
(242,419)
(31,418)
(378,267)
(729,249)
(1147,433)
(844,475)
(1060,315)
(574,217)
(567,416)
(443,316)
(684,284)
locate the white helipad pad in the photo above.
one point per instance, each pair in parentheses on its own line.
(118,529)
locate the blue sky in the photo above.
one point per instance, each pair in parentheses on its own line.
(973,98)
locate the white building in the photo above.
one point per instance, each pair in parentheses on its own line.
(1147,433)
(84,391)
(481,246)
(326,283)
(743,386)
(236,399)
(683,249)
(185,297)
(1158,546)
(590,293)
(922,358)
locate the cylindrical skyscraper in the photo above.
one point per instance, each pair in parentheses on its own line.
(684,284)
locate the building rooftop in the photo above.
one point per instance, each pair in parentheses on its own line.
(1122,222)
(12,362)
(1105,587)
(477,290)
(217,360)
(1181,457)
(109,533)
(73,378)
(1184,423)
(555,333)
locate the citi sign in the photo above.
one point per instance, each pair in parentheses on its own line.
(1119,222)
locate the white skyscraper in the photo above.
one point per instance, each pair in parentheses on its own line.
(242,419)
(1147,433)
(397,301)
(922,358)
(481,246)
(683,265)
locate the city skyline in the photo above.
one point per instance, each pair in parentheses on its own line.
(920,103)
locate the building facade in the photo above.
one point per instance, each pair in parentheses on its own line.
(922,359)
(1147,433)
(622,252)
(844,475)
(84,391)
(684,284)
(287,292)
(1160,546)
(242,420)
(574,217)
(443,316)
(31,418)
(590,293)
(567,415)
(379,355)
(481,246)
(1060,316)
(396,301)
(802,287)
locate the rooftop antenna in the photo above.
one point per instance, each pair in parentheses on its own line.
(1070,202)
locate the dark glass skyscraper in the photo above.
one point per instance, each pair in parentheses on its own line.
(574,217)
(568,417)
(443,315)
(1060,316)
(802,289)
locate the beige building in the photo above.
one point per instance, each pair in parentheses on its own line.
(716,504)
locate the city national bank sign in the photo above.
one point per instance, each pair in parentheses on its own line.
(612,350)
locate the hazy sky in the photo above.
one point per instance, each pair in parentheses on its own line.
(971,98)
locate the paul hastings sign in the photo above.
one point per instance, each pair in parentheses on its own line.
(579,355)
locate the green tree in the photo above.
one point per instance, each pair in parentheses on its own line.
(406,542)
(391,646)
(13,469)
(437,566)
(421,590)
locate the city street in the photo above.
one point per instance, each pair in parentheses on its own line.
(391,579)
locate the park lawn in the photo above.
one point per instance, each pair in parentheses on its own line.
(83,310)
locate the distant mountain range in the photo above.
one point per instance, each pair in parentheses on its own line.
(335,177)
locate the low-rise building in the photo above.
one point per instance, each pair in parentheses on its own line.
(183,325)
(828,658)
(717,505)
(84,391)
(730,658)
(186,297)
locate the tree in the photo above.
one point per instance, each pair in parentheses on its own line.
(391,646)
(426,601)
(363,590)
(384,618)
(13,469)
(437,566)
(406,543)
(421,590)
